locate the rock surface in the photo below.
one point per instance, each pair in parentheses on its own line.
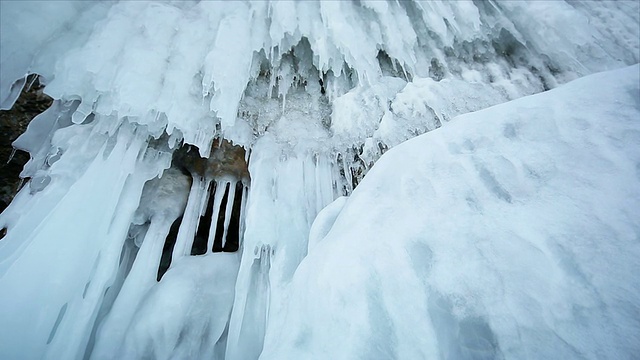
(13,123)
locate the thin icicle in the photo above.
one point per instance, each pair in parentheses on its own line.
(187,231)
(243,209)
(227,214)
(35,77)
(13,153)
(247,155)
(221,188)
(319,185)
(347,175)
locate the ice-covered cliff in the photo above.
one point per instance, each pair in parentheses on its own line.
(511,232)
(174,181)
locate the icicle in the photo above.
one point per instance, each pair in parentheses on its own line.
(284,101)
(140,279)
(203,200)
(13,152)
(310,185)
(20,184)
(347,175)
(406,77)
(247,154)
(319,186)
(221,188)
(272,84)
(190,220)
(243,209)
(227,214)
(35,77)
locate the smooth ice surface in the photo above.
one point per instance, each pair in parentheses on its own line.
(512,232)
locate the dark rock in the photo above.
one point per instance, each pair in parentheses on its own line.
(226,159)
(13,123)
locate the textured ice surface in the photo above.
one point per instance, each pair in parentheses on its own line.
(510,233)
(188,67)
(316,92)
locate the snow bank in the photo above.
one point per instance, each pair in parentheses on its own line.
(513,232)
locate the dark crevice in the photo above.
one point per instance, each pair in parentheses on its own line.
(226,160)
(233,232)
(167,250)
(436,70)
(391,67)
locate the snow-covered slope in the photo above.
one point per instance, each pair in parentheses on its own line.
(513,232)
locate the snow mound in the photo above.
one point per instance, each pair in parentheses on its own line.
(513,232)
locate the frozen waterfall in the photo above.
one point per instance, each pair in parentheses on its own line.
(197,188)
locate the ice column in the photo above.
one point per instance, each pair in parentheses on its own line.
(285,196)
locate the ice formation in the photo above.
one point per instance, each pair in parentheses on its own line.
(511,232)
(180,201)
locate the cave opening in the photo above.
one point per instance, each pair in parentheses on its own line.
(219,226)
(227,238)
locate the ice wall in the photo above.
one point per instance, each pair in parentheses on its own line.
(510,233)
(125,209)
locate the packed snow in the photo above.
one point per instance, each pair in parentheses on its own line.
(198,190)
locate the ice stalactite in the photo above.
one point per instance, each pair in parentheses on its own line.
(192,209)
(190,219)
(282,205)
(93,262)
(160,208)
